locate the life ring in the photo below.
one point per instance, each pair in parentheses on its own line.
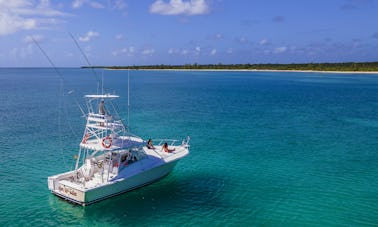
(107,142)
(86,137)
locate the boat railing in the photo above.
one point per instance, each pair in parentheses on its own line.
(172,142)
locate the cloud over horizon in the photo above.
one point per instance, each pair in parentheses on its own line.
(27,15)
(79,3)
(88,36)
(179,7)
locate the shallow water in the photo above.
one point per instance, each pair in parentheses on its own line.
(273,149)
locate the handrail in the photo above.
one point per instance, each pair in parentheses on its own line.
(171,142)
(161,141)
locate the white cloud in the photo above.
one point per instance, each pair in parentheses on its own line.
(178,51)
(130,51)
(21,52)
(12,23)
(29,39)
(213,52)
(96,5)
(119,36)
(119,4)
(27,7)
(19,15)
(87,37)
(173,51)
(280,50)
(195,51)
(230,51)
(243,40)
(263,42)
(216,36)
(149,51)
(115,53)
(79,3)
(179,7)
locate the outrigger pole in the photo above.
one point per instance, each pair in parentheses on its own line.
(57,72)
(87,60)
(62,82)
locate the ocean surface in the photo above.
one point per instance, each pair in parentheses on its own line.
(267,148)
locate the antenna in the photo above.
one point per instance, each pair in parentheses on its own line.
(102,82)
(128,99)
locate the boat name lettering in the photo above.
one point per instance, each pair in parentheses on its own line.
(67,190)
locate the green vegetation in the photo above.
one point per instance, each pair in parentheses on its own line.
(347,66)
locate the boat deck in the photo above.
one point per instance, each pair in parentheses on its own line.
(97,180)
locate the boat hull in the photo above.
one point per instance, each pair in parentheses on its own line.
(113,188)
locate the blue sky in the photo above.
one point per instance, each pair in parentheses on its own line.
(144,32)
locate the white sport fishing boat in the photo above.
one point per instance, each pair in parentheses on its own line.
(111,160)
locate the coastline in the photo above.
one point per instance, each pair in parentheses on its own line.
(254,70)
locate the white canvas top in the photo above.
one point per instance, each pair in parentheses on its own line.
(101,96)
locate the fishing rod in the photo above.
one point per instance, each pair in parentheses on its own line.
(62,82)
(88,63)
(49,59)
(58,73)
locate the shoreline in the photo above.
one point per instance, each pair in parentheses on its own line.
(256,70)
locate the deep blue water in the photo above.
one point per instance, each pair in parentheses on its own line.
(267,149)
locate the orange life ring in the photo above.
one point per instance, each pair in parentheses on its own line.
(107,144)
(86,137)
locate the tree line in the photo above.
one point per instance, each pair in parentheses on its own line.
(345,66)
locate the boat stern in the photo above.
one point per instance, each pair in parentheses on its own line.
(62,187)
(51,183)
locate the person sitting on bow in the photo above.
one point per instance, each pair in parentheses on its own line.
(166,149)
(150,145)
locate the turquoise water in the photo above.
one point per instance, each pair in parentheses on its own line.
(267,149)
